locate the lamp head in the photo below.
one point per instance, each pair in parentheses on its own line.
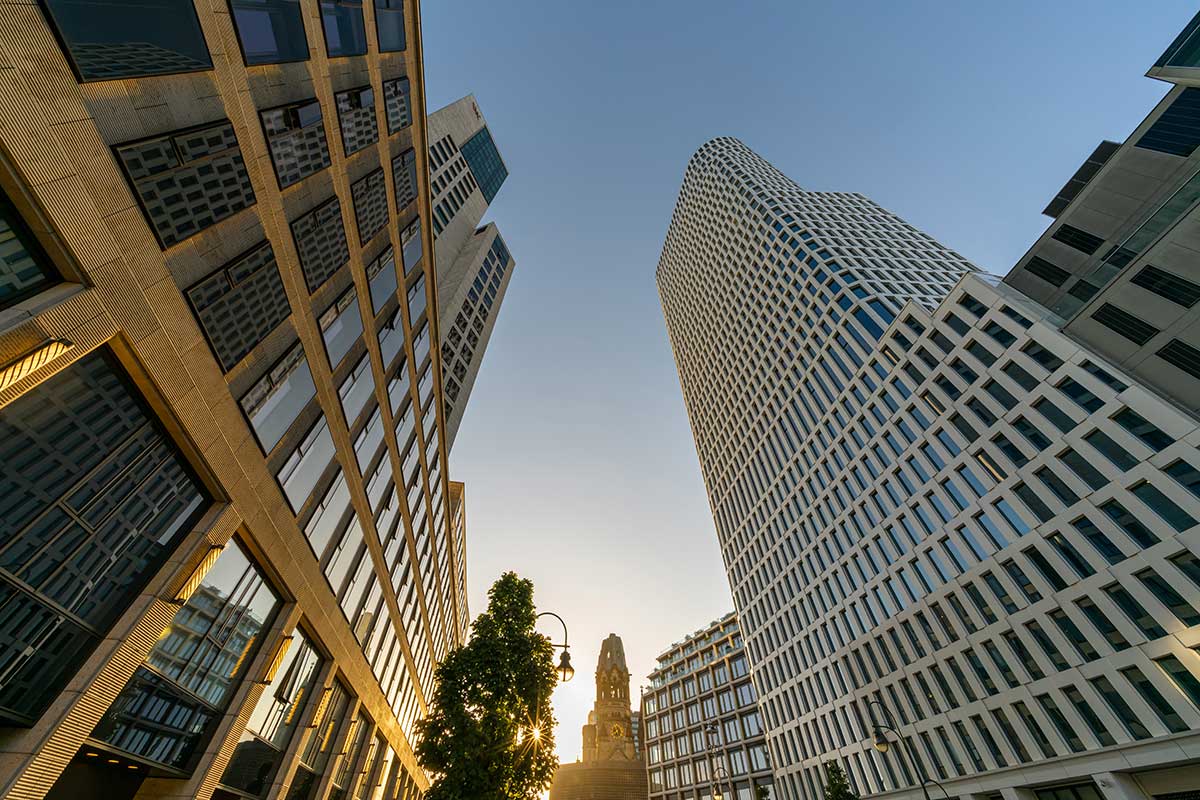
(880,741)
(564,666)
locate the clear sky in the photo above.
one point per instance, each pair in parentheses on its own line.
(963,118)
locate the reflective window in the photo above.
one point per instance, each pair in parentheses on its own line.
(93,499)
(345,34)
(404,174)
(270,31)
(369,195)
(239,304)
(321,242)
(274,720)
(389,25)
(356,390)
(410,240)
(382,276)
(188,180)
(304,466)
(129,38)
(396,103)
(324,741)
(356,118)
(416,299)
(275,400)
(341,325)
(169,706)
(24,268)
(296,138)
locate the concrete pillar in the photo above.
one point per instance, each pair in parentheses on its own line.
(1119,786)
(1017,793)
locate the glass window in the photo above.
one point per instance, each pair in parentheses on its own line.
(396,104)
(239,304)
(345,33)
(1076,698)
(485,162)
(1120,708)
(24,268)
(369,195)
(1163,506)
(411,245)
(304,466)
(270,31)
(322,743)
(416,299)
(274,720)
(356,118)
(296,139)
(382,276)
(1167,595)
(93,499)
(188,180)
(341,326)
(1116,454)
(321,242)
(1182,677)
(1137,425)
(404,175)
(389,25)
(277,398)
(129,38)
(168,708)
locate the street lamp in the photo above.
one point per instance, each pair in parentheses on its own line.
(717,795)
(881,743)
(714,773)
(564,662)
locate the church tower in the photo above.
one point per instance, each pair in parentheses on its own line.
(608,736)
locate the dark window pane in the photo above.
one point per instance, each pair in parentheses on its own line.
(321,242)
(389,24)
(1122,322)
(270,31)
(93,499)
(356,118)
(1165,284)
(188,180)
(404,174)
(1050,273)
(484,160)
(24,268)
(1182,355)
(1077,238)
(345,33)
(1140,427)
(1177,129)
(239,304)
(369,195)
(129,38)
(296,138)
(396,104)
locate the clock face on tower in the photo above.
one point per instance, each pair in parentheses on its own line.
(617,731)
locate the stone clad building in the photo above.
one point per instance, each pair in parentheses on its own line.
(612,767)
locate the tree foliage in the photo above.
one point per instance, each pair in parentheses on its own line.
(477,742)
(837,785)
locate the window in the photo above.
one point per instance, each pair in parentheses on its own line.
(1163,506)
(1093,721)
(369,194)
(129,39)
(1125,324)
(321,242)
(1182,677)
(396,104)
(1074,635)
(188,180)
(1137,425)
(404,174)
(345,34)
(381,274)
(356,118)
(389,25)
(274,720)
(1103,624)
(1060,723)
(1165,284)
(24,268)
(277,398)
(485,162)
(1136,531)
(1182,355)
(410,240)
(341,325)
(1050,273)
(1079,239)
(1134,610)
(1117,455)
(270,31)
(1166,594)
(89,515)
(304,466)
(322,743)
(169,706)
(1177,129)
(1120,708)
(295,136)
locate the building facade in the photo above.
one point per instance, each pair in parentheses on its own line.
(228,567)
(612,768)
(703,731)
(946,507)
(474,265)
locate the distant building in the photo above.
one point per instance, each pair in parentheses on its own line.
(701,726)
(612,767)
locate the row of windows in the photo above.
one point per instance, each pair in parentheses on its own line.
(127,39)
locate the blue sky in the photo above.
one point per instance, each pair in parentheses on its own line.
(962,118)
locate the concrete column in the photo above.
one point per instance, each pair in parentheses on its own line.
(1119,786)
(1016,793)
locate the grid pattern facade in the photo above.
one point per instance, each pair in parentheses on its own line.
(927,496)
(702,729)
(228,562)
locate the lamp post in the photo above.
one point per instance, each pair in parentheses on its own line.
(714,773)
(565,670)
(881,743)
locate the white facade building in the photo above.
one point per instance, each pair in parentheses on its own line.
(930,500)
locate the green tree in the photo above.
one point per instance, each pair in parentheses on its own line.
(489,734)
(837,785)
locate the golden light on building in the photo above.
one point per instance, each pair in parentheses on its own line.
(28,363)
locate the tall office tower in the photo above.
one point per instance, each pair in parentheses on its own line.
(474,265)
(703,731)
(943,508)
(226,564)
